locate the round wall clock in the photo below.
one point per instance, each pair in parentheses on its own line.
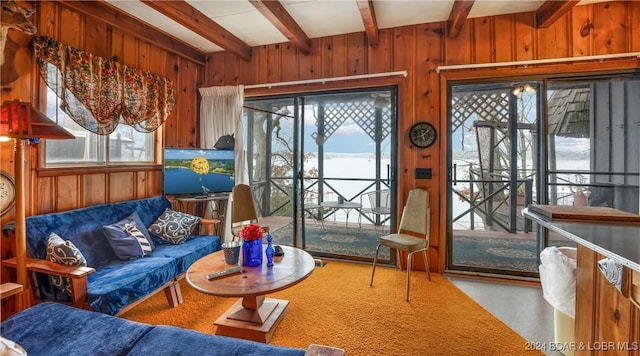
(7,192)
(422,134)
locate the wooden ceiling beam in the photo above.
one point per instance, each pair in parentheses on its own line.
(118,19)
(280,18)
(551,10)
(188,16)
(458,16)
(368,15)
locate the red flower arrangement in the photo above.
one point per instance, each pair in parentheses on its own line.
(251,232)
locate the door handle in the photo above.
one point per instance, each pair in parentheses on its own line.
(455,173)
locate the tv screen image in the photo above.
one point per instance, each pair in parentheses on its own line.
(198,171)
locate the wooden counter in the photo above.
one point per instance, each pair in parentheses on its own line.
(610,232)
(607,320)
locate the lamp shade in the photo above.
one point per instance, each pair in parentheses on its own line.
(21,120)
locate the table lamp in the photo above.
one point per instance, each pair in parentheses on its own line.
(20,121)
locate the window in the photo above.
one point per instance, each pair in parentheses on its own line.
(124,145)
(594,140)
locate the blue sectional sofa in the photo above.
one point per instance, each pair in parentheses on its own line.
(109,284)
(54,329)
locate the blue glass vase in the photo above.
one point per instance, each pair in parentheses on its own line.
(269,251)
(252,253)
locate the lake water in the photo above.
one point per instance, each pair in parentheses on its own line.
(185,181)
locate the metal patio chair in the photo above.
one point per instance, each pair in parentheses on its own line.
(376,203)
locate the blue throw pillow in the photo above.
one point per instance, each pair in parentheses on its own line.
(66,253)
(174,226)
(129,238)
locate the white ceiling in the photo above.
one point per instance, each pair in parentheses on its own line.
(317,18)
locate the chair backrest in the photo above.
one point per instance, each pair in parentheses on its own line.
(380,201)
(415,215)
(243,208)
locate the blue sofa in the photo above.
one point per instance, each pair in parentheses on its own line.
(110,285)
(56,329)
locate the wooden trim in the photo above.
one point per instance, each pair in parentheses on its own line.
(282,20)
(442,179)
(50,267)
(547,71)
(191,18)
(162,288)
(552,10)
(458,17)
(103,11)
(368,15)
(8,289)
(79,170)
(317,87)
(322,350)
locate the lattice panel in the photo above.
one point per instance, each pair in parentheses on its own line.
(360,112)
(485,105)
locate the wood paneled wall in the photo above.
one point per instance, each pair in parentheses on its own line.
(50,190)
(601,28)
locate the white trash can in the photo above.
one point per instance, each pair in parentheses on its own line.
(558,279)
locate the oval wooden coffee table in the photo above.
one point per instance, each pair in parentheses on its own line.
(253,317)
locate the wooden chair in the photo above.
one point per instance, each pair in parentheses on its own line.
(413,234)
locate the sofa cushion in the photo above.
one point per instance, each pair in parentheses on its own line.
(55,329)
(174,226)
(148,209)
(129,238)
(114,286)
(66,253)
(118,284)
(190,251)
(171,340)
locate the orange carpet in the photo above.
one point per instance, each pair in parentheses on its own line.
(335,306)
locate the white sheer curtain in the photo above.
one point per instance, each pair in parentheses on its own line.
(221,114)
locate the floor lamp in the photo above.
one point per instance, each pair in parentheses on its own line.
(21,121)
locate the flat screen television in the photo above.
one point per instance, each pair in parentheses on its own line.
(198,172)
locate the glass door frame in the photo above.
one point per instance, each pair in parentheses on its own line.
(298,164)
(538,166)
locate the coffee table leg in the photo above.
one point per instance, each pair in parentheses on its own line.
(256,324)
(254,302)
(254,310)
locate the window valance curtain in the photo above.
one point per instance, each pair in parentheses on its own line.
(97,93)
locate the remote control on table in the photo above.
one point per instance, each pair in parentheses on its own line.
(223,273)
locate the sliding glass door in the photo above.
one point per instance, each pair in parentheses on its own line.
(493,159)
(504,156)
(320,165)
